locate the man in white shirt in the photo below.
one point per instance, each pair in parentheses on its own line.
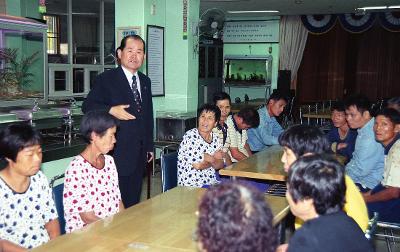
(238,124)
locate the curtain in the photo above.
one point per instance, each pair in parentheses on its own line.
(292,40)
(338,64)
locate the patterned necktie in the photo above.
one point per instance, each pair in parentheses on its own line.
(136,94)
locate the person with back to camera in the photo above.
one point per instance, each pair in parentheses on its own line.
(91,190)
(28,217)
(316,194)
(235,217)
(301,140)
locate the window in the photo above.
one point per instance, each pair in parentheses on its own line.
(76,57)
(53,34)
(86,32)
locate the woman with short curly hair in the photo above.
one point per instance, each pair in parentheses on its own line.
(235,217)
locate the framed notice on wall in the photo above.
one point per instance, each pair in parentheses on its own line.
(125,31)
(266,31)
(155,59)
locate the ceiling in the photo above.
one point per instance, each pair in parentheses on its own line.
(290,7)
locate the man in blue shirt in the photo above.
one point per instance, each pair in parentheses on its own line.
(267,133)
(366,165)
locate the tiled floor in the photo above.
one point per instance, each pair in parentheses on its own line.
(381,244)
(156,189)
(155,185)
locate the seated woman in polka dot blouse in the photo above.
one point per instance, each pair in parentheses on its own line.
(28,217)
(200,151)
(91,190)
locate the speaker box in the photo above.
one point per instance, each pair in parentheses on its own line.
(284,81)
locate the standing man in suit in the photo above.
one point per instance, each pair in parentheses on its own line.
(126,94)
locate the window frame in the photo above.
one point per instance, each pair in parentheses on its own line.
(70,66)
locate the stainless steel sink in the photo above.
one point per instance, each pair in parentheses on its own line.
(8,118)
(29,114)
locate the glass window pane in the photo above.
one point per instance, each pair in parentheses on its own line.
(109,33)
(57,32)
(78,82)
(85,31)
(60,81)
(92,76)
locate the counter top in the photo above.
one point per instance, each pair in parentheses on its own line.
(54,150)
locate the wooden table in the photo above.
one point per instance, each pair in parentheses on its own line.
(166,222)
(255,104)
(322,114)
(319,115)
(266,165)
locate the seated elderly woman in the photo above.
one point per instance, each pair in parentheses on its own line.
(235,217)
(91,190)
(28,217)
(385,197)
(316,194)
(200,151)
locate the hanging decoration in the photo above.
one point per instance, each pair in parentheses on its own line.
(357,23)
(318,23)
(390,20)
(185,19)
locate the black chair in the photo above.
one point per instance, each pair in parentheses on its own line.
(169,171)
(58,200)
(390,234)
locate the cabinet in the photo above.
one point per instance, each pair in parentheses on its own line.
(248,71)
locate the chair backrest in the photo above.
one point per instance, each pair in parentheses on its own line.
(169,171)
(58,200)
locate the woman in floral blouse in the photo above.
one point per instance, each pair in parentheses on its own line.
(200,151)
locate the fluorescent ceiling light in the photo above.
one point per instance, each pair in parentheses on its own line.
(261,11)
(378,8)
(373,8)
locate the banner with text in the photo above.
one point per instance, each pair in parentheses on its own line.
(251,31)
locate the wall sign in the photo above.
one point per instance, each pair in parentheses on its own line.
(125,31)
(155,59)
(251,31)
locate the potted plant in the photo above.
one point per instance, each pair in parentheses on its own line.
(14,71)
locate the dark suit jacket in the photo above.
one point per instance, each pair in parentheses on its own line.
(112,88)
